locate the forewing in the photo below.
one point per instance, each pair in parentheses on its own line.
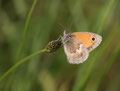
(85,38)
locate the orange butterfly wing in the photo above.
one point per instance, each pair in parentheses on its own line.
(85,38)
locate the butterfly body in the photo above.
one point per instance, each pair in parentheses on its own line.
(77,45)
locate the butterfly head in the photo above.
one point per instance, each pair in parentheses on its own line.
(67,37)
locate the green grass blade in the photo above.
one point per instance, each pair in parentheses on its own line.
(19,63)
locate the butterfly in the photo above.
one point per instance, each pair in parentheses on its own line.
(77,45)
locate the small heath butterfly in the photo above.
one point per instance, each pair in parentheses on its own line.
(77,45)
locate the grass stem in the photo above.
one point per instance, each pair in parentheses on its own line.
(26,30)
(21,62)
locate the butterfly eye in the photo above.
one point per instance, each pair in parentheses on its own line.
(93,38)
(70,36)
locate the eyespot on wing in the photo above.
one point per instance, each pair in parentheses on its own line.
(90,40)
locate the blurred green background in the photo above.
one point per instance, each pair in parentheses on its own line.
(51,71)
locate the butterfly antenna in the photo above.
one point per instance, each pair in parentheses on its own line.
(63,27)
(65,30)
(70,26)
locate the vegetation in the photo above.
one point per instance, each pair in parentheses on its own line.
(27,26)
